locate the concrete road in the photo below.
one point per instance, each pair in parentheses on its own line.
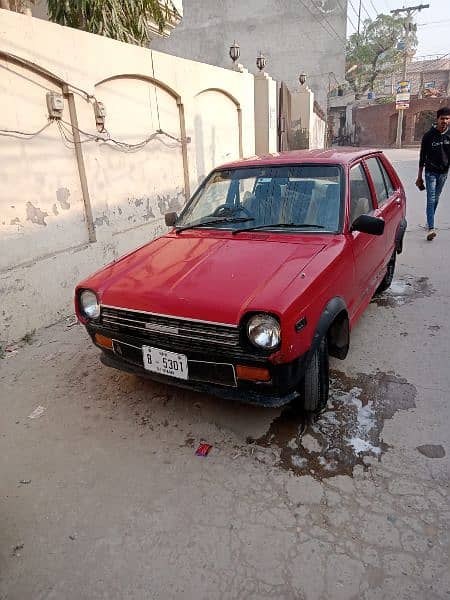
(102,496)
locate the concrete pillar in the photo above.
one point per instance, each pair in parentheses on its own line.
(265,114)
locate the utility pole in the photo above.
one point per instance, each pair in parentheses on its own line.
(409,12)
(359,20)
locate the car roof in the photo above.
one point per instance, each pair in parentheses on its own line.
(334,156)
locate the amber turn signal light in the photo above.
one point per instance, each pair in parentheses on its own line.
(252,373)
(103,341)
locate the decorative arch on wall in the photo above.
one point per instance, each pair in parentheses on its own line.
(171,92)
(67,90)
(148,78)
(33,67)
(238,110)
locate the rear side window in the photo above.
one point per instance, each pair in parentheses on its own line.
(380,179)
(360,197)
(387,180)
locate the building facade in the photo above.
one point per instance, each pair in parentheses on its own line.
(376,125)
(303,36)
(428,79)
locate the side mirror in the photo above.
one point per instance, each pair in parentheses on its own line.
(170,218)
(368,224)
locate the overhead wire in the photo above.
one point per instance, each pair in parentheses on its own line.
(356,13)
(66,134)
(330,25)
(42,71)
(22,135)
(433,23)
(375,9)
(68,143)
(336,35)
(353,7)
(365,10)
(107,139)
(347,15)
(431,64)
(156,91)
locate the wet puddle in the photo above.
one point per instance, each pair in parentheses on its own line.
(345,434)
(403,291)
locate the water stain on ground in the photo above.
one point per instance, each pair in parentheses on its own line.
(403,291)
(348,432)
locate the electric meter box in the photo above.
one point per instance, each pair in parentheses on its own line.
(55,105)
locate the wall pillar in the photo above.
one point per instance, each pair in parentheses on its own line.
(265,114)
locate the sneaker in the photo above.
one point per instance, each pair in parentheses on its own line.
(431,235)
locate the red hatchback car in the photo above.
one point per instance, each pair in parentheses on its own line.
(261,278)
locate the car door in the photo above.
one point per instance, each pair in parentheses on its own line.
(389,201)
(368,250)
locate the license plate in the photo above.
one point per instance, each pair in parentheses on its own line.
(164,362)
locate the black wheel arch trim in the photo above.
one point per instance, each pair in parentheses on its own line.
(401,229)
(336,306)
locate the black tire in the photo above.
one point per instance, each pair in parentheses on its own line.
(315,384)
(387,279)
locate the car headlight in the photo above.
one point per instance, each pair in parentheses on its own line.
(264,332)
(89,304)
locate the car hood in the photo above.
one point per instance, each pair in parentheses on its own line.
(211,279)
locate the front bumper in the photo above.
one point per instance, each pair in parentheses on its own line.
(211,374)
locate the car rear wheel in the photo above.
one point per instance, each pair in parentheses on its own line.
(387,279)
(315,384)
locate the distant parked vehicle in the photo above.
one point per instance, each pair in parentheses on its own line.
(260,279)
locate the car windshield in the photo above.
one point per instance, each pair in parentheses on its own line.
(301,197)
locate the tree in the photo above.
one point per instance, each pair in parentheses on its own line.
(374,51)
(22,6)
(124,20)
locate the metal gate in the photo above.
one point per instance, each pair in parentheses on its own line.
(291,135)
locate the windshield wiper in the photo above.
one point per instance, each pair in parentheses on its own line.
(275,225)
(213,222)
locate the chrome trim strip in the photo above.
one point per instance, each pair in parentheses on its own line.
(225,342)
(125,344)
(142,312)
(117,320)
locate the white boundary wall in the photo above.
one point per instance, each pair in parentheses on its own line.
(61,219)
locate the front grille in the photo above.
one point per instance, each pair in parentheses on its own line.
(172,332)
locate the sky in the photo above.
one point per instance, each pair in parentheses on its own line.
(433,23)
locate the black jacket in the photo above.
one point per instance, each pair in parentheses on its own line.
(435,151)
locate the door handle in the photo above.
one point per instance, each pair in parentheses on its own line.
(398,201)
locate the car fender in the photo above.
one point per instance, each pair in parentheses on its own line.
(399,235)
(334,307)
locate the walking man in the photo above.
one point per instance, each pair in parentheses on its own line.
(435,158)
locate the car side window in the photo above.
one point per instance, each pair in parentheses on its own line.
(378,179)
(387,180)
(360,197)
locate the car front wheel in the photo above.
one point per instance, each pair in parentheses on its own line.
(315,384)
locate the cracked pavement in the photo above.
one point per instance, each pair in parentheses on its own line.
(102,496)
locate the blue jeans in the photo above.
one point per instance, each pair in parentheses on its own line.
(434,183)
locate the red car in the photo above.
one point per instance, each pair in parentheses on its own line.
(261,278)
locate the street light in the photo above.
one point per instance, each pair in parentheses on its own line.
(261,61)
(235,52)
(302,78)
